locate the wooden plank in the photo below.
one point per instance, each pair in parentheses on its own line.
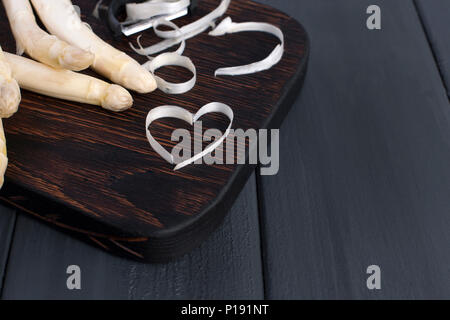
(98,167)
(226,266)
(7,222)
(435,16)
(364,175)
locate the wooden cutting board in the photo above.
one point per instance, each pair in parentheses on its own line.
(92,173)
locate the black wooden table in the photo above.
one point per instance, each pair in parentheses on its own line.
(364,179)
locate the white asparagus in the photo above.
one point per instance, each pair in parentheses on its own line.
(37,43)
(9,103)
(3,154)
(9,89)
(67,85)
(61,19)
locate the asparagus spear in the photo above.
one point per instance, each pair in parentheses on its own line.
(67,85)
(9,103)
(39,44)
(9,90)
(3,154)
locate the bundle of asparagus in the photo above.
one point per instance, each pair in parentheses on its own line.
(61,19)
(39,44)
(72,47)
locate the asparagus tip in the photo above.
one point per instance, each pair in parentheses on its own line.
(9,98)
(76,59)
(139,79)
(117,99)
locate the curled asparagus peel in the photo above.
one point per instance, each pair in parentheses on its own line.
(67,85)
(3,154)
(9,89)
(39,44)
(61,19)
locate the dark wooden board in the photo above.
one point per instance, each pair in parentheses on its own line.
(93,173)
(226,266)
(435,16)
(7,223)
(367,176)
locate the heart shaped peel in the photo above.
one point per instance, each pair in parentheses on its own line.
(182,114)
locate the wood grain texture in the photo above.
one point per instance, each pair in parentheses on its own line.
(435,15)
(226,266)
(7,223)
(367,177)
(93,173)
